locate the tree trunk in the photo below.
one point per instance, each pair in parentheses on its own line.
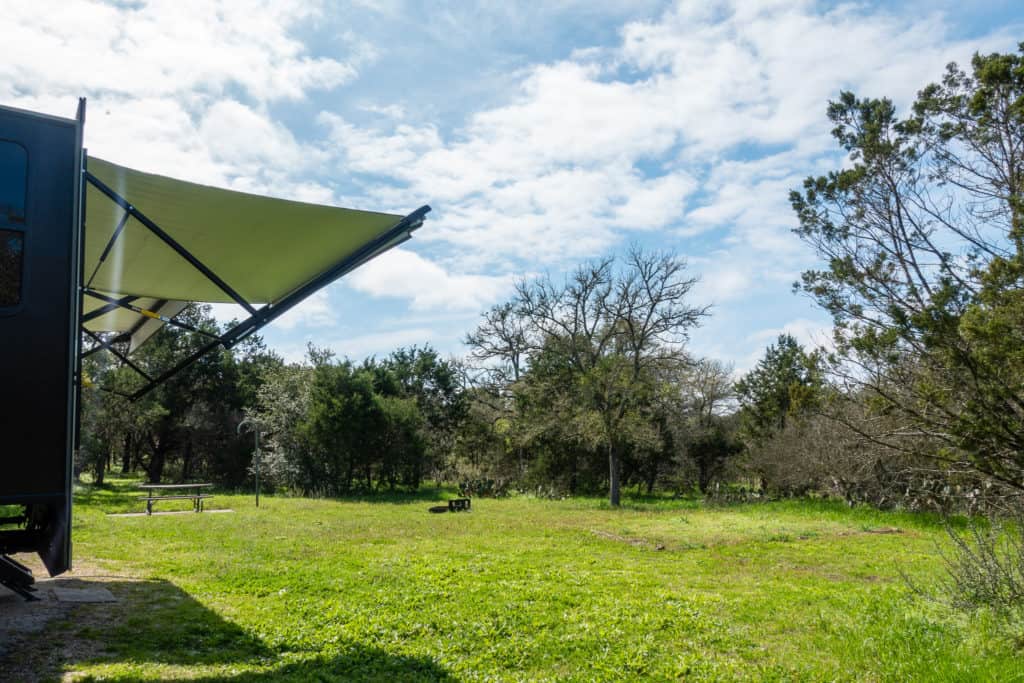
(573,476)
(101,470)
(703,476)
(126,454)
(613,477)
(155,466)
(186,465)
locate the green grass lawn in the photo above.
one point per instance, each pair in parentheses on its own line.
(518,589)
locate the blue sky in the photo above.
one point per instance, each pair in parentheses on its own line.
(541,133)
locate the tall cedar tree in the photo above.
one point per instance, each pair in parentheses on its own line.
(923,237)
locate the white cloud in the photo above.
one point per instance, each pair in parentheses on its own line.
(655,204)
(164,47)
(725,96)
(314,311)
(811,334)
(690,128)
(225,313)
(229,130)
(428,286)
(721,281)
(177,87)
(391,111)
(360,346)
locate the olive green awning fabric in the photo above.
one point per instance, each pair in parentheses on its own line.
(264,248)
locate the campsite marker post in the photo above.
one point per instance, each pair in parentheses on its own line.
(254,426)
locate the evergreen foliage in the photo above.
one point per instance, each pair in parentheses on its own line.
(923,237)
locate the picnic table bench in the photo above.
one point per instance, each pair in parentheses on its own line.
(192,492)
(458,504)
(454,505)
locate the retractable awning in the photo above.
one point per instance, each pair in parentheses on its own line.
(155,244)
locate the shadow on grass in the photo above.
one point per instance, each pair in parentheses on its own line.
(120,495)
(106,496)
(639,502)
(358,663)
(154,622)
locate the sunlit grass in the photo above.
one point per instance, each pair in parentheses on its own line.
(520,589)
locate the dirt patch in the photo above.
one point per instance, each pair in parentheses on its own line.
(836,577)
(876,530)
(636,542)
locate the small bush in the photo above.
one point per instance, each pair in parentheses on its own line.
(986,565)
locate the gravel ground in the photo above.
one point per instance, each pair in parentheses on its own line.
(33,642)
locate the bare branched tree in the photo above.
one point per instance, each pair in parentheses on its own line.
(598,338)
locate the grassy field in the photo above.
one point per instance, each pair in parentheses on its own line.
(518,589)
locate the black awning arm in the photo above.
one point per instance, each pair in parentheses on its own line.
(143,320)
(121,303)
(106,345)
(398,233)
(110,245)
(103,310)
(169,241)
(178,367)
(96,348)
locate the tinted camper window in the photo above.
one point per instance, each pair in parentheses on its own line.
(13,174)
(12,245)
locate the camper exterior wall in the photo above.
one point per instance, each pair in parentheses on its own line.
(39,310)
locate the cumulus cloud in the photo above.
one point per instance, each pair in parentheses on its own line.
(180,88)
(721,281)
(700,119)
(314,311)
(810,333)
(428,286)
(163,47)
(686,130)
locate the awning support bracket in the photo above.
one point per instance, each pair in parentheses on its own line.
(121,303)
(110,245)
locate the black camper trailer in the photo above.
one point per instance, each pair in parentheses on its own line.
(174,243)
(40,202)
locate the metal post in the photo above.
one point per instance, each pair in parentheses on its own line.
(255,427)
(256,457)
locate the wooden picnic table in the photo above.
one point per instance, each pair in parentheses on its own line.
(193,492)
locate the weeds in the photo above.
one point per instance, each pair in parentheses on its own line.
(986,565)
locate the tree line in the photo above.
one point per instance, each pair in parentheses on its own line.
(586,383)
